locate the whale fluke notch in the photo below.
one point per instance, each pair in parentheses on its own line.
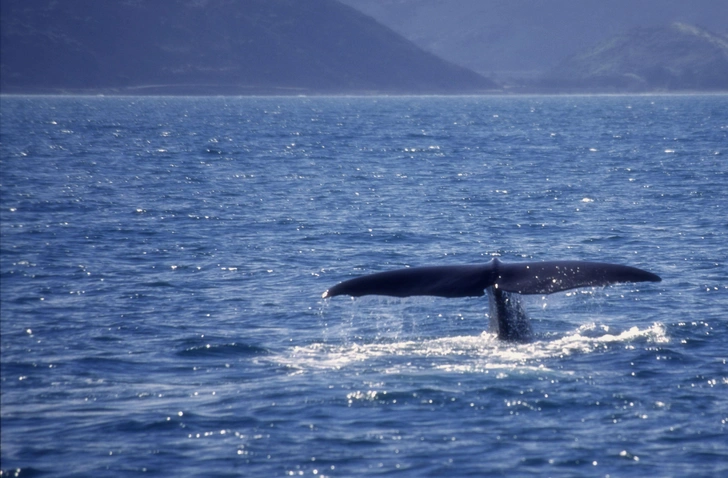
(473,280)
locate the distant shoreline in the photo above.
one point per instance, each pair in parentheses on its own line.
(292,93)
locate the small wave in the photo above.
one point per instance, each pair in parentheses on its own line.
(159,283)
(478,353)
(223,350)
(25,471)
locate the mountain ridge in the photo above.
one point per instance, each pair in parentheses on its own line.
(214,47)
(677,57)
(518,41)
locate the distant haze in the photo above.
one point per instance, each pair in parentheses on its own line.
(524,38)
(362,46)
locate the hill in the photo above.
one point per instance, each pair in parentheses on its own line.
(513,41)
(213,47)
(678,57)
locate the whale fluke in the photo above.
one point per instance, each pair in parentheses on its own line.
(472,280)
(498,279)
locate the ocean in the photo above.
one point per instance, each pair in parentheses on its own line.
(163,261)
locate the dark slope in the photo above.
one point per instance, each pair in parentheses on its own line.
(215,47)
(678,57)
(522,39)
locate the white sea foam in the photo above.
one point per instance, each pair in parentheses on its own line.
(476,353)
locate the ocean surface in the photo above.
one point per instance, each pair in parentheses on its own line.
(163,261)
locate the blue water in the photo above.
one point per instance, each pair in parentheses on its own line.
(163,261)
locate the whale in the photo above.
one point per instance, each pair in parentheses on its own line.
(502,282)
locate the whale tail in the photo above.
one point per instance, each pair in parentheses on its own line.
(502,282)
(473,280)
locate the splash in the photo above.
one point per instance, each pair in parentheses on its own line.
(477,353)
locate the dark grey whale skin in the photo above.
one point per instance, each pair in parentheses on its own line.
(498,279)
